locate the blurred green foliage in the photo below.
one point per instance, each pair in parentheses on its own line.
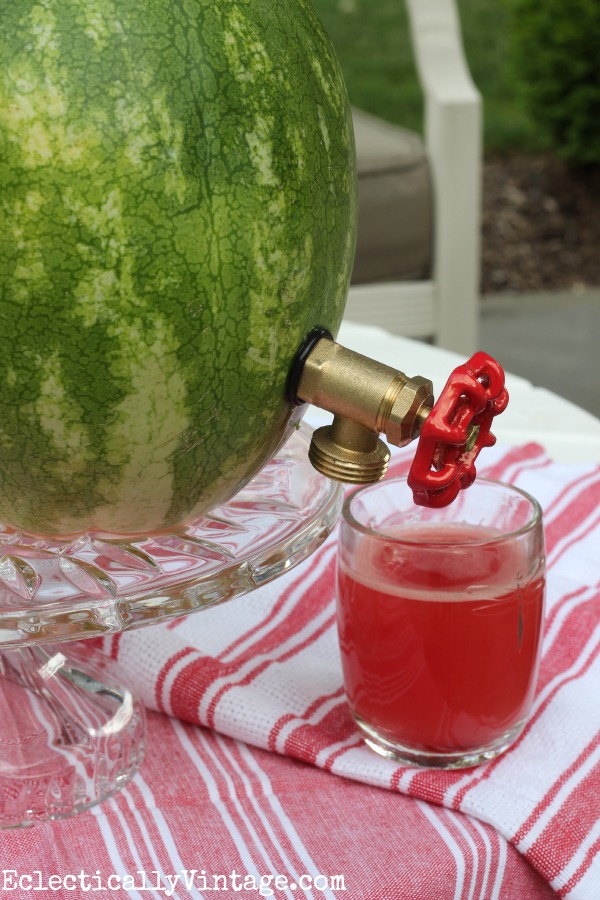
(372,41)
(554,56)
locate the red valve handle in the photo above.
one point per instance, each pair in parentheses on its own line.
(443,463)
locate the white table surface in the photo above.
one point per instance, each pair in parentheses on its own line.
(568,433)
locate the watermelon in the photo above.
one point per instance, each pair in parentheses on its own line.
(177,212)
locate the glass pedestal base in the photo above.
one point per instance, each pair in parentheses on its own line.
(70,734)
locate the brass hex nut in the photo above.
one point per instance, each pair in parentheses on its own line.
(408,411)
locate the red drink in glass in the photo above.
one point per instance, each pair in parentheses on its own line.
(440,633)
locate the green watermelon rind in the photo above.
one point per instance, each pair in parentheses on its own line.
(178,211)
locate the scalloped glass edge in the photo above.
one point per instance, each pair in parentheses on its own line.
(291,517)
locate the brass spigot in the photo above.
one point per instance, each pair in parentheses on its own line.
(367,398)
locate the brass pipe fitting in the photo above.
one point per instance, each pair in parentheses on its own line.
(366,398)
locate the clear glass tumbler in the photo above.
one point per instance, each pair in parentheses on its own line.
(440,616)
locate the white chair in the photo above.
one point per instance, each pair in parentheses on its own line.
(423,286)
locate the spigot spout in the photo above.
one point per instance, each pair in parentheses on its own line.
(367,398)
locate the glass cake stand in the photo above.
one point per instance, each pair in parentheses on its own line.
(70,733)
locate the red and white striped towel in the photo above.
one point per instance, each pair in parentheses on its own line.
(265,669)
(205,807)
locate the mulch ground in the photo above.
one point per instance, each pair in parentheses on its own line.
(540,226)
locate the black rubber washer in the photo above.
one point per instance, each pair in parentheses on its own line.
(297,367)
